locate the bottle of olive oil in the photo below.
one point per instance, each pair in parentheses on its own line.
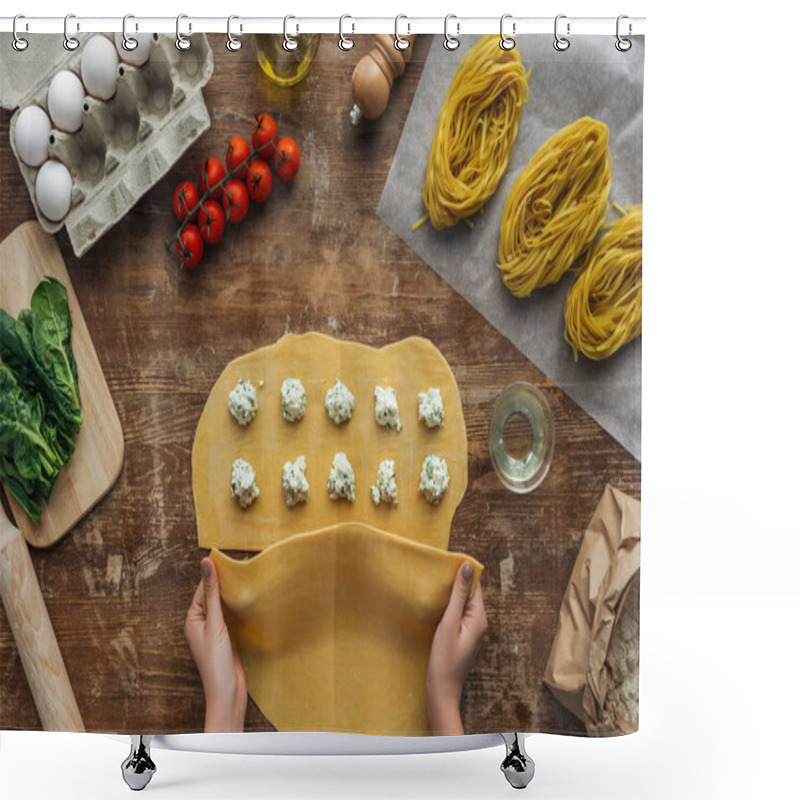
(285,67)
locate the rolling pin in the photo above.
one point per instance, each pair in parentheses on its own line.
(374,75)
(33,634)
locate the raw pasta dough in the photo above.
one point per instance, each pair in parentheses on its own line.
(334,628)
(269,441)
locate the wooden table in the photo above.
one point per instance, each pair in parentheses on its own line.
(315,257)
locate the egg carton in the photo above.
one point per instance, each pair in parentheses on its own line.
(126,144)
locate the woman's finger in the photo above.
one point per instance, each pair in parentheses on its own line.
(475,614)
(196,611)
(211,586)
(458,595)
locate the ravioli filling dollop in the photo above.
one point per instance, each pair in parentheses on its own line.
(342,480)
(243,483)
(295,484)
(385,487)
(387,412)
(242,402)
(293,399)
(433,479)
(339,402)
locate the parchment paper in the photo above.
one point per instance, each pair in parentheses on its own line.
(590,78)
(578,669)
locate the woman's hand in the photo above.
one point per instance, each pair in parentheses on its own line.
(455,643)
(217,661)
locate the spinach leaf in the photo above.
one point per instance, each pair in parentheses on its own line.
(21,437)
(40,407)
(12,351)
(20,490)
(51,331)
(37,347)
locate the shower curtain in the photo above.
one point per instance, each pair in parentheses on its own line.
(321,380)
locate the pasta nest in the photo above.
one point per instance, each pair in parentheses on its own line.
(555,207)
(475,132)
(603,310)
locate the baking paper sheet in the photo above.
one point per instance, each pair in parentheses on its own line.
(591,78)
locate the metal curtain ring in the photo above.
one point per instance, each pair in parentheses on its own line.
(128,42)
(561,43)
(451,42)
(623,45)
(70,42)
(400,42)
(19,44)
(233,44)
(181,42)
(344,42)
(507,42)
(289,42)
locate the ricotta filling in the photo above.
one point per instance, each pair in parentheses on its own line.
(243,483)
(433,479)
(385,487)
(431,410)
(387,413)
(293,400)
(339,402)
(341,481)
(242,402)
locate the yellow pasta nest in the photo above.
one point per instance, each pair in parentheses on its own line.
(475,133)
(603,311)
(555,207)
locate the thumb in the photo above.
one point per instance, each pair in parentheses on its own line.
(459,594)
(211,590)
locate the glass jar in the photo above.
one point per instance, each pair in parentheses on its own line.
(285,67)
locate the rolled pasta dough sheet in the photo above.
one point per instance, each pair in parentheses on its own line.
(334,628)
(410,366)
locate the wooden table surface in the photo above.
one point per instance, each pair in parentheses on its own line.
(315,257)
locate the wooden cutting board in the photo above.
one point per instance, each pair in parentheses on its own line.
(27,255)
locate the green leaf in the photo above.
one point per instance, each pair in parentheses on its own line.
(13,352)
(51,334)
(21,437)
(23,497)
(37,348)
(40,407)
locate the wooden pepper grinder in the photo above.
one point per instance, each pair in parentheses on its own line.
(374,75)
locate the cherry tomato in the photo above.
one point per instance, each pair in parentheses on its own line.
(259,180)
(264,131)
(211,221)
(211,173)
(190,247)
(235,200)
(185,201)
(287,159)
(237,153)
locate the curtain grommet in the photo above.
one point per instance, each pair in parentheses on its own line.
(400,42)
(561,43)
(70,42)
(622,44)
(181,42)
(233,44)
(18,42)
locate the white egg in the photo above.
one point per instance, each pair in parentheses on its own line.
(32,135)
(65,101)
(54,190)
(99,63)
(138,55)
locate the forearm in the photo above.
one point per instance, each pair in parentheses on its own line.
(444,716)
(223,718)
(226,705)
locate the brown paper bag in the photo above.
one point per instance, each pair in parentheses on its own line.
(580,669)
